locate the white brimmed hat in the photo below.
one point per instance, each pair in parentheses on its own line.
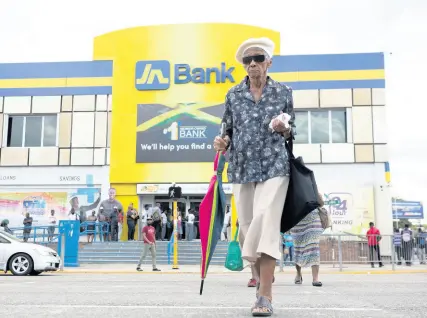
(262,43)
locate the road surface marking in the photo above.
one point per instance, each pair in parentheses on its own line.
(55,306)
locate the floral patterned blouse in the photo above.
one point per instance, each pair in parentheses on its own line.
(256,152)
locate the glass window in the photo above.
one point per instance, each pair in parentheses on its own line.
(3,240)
(49,131)
(33,131)
(339,127)
(15,131)
(301,123)
(319,127)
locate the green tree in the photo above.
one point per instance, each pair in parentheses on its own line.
(402,222)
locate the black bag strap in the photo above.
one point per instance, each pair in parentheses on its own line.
(290,146)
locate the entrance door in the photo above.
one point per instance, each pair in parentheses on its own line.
(194,202)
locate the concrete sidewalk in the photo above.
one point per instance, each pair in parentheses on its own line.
(214,269)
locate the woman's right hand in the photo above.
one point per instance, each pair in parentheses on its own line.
(221,144)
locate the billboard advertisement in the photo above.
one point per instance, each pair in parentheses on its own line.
(15,205)
(351,209)
(176,133)
(407,210)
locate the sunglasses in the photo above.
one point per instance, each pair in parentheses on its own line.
(255,58)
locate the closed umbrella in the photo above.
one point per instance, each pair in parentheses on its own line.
(212,212)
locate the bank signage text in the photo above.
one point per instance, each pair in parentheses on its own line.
(156,75)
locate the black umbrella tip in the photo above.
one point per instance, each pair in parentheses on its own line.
(201,286)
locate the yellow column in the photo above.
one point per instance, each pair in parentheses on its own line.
(233,217)
(175,235)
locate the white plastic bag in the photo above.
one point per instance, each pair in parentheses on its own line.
(284,118)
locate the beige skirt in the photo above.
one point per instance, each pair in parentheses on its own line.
(259,209)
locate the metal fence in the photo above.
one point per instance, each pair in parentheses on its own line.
(341,250)
(50,233)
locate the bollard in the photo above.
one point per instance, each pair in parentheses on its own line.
(339,253)
(62,251)
(175,235)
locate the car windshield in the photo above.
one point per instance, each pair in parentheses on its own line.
(9,236)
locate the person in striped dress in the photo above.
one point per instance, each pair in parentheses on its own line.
(306,235)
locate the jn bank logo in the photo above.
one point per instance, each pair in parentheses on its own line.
(152,75)
(156,75)
(185,132)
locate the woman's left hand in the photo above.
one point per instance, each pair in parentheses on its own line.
(279,126)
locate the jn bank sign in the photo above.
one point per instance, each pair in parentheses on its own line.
(156,75)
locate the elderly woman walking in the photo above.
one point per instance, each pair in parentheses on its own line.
(259,163)
(306,235)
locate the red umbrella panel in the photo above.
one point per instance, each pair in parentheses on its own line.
(212,212)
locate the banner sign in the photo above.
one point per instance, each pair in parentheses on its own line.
(407,210)
(177,133)
(15,205)
(351,209)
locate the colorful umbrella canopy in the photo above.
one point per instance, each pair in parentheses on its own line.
(212,212)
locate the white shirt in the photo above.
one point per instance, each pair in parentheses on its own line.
(143,217)
(190,218)
(164,218)
(73,217)
(227,219)
(150,212)
(52,219)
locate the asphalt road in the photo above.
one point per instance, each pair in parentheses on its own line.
(225,295)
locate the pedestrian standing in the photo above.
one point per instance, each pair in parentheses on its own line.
(306,236)
(149,238)
(91,220)
(111,208)
(258,165)
(190,225)
(114,224)
(51,228)
(374,238)
(157,220)
(130,219)
(420,241)
(164,218)
(288,251)
(397,242)
(120,224)
(28,223)
(407,243)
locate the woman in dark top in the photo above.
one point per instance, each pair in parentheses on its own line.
(131,224)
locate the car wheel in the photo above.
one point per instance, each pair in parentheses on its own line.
(21,264)
(35,273)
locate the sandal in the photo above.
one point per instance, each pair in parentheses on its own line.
(317,284)
(262,307)
(298,280)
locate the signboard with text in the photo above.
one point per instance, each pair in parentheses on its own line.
(407,210)
(176,133)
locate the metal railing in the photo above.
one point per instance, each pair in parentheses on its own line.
(342,250)
(46,234)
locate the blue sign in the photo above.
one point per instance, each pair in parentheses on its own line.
(71,231)
(407,210)
(156,75)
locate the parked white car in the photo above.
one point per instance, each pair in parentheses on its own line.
(25,258)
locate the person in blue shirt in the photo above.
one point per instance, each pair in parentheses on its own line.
(288,245)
